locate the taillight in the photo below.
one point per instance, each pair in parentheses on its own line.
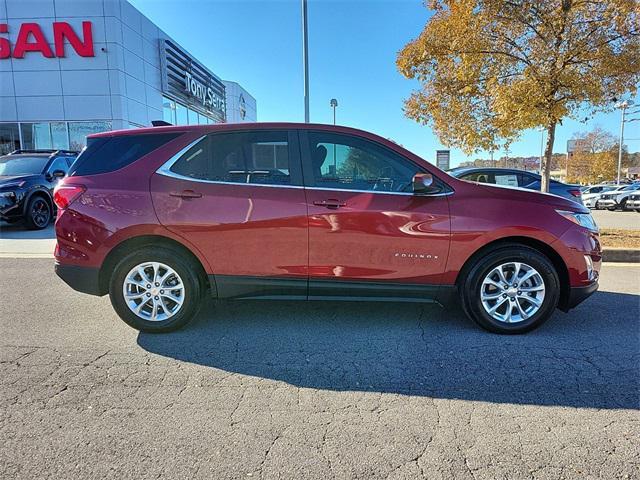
(575,193)
(65,195)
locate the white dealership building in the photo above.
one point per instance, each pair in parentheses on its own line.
(69,68)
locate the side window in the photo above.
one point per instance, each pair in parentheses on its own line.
(525,180)
(352,163)
(507,179)
(58,164)
(260,158)
(480,177)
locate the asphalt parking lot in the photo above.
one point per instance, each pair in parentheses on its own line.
(625,220)
(314,390)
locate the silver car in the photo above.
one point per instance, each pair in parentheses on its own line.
(617,199)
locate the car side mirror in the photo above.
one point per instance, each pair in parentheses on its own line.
(58,174)
(423,184)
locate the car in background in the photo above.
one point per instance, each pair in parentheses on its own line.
(633,202)
(617,199)
(159,218)
(516,178)
(27,179)
(591,194)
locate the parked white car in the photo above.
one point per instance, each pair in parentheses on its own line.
(633,202)
(590,195)
(617,198)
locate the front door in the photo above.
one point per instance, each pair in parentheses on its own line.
(368,233)
(238,198)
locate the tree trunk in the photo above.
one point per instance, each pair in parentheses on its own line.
(545,168)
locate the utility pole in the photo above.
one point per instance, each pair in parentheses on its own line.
(305,60)
(622,106)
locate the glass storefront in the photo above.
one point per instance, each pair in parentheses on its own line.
(48,135)
(9,137)
(177,114)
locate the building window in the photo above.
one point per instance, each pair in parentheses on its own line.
(181,115)
(78,132)
(36,135)
(193,117)
(169,111)
(59,135)
(9,138)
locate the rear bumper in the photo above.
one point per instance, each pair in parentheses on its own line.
(82,279)
(577,295)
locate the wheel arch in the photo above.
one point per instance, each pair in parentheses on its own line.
(141,241)
(39,192)
(544,248)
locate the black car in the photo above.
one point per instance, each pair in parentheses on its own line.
(516,178)
(27,178)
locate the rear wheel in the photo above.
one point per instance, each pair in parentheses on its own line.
(38,214)
(156,289)
(513,289)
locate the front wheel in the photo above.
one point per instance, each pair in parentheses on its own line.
(38,213)
(513,289)
(155,290)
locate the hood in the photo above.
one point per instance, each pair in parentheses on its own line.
(531,196)
(9,179)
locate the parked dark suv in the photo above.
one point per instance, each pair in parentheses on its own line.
(160,217)
(516,178)
(27,178)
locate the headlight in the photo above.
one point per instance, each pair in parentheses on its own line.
(583,219)
(7,194)
(13,185)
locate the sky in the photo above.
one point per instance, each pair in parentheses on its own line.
(353,46)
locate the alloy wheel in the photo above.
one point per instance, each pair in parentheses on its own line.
(40,213)
(512,292)
(153,291)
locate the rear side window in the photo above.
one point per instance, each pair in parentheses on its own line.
(260,158)
(108,154)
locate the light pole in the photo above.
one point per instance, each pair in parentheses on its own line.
(334,104)
(305,60)
(622,106)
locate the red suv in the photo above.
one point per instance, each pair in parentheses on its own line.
(161,217)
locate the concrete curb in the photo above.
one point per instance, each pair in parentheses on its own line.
(626,255)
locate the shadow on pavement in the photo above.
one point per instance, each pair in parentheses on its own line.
(588,358)
(17,231)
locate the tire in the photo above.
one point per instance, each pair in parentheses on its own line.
(623,205)
(38,214)
(472,287)
(612,209)
(184,274)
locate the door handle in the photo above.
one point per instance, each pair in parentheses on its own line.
(186,194)
(329,203)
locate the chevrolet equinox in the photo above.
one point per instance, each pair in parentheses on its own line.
(161,217)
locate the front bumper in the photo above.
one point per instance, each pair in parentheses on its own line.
(632,204)
(82,279)
(607,203)
(9,206)
(577,295)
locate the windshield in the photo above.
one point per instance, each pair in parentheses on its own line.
(10,165)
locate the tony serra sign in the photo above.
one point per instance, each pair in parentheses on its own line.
(190,83)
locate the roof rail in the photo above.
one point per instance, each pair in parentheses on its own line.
(32,150)
(66,152)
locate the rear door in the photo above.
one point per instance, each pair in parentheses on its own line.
(238,197)
(368,233)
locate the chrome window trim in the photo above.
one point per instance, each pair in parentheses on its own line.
(165,170)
